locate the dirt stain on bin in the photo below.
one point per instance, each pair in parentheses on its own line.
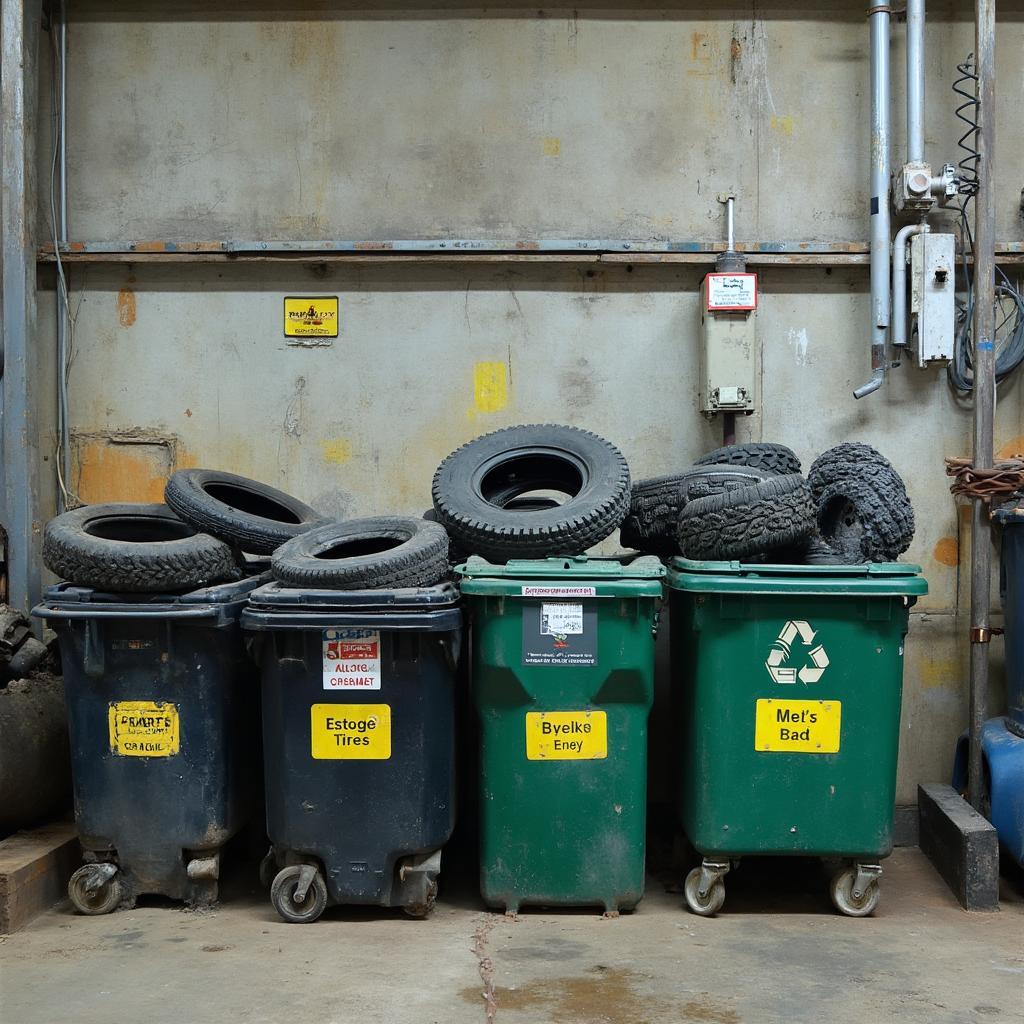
(604,995)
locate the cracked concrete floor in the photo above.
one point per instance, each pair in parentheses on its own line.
(776,953)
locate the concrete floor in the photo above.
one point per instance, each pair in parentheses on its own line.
(776,953)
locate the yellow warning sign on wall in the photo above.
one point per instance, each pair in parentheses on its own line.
(143,728)
(311,316)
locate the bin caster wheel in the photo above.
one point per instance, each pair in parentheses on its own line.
(424,907)
(96,889)
(708,903)
(267,869)
(299,894)
(855,890)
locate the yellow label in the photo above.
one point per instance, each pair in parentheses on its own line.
(311,316)
(144,728)
(566,735)
(350,732)
(800,726)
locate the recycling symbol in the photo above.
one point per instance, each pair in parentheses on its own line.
(782,649)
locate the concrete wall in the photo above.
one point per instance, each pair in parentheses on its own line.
(324,121)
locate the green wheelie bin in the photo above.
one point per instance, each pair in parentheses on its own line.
(786,684)
(562,674)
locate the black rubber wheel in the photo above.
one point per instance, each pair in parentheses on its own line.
(861,522)
(378,553)
(655,504)
(775,458)
(135,548)
(480,489)
(243,512)
(767,516)
(104,898)
(282,896)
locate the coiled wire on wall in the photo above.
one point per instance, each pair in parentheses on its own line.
(1009,301)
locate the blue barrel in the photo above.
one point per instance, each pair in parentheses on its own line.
(1011,519)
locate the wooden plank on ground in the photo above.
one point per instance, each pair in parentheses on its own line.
(35,866)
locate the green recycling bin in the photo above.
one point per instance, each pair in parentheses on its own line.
(786,683)
(563,679)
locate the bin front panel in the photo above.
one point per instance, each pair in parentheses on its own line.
(788,710)
(563,747)
(360,776)
(165,741)
(1012,588)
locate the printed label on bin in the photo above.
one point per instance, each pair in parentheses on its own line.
(798,726)
(351,659)
(144,728)
(350,732)
(566,735)
(561,633)
(534,590)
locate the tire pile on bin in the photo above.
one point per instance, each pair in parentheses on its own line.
(522,492)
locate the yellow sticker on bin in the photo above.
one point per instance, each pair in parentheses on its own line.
(350,732)
(798,726)
(144,728)
(566,735)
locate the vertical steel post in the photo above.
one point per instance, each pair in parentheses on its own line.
(61,229)
(881,227)
(23,428)
(915,81)
(984,387)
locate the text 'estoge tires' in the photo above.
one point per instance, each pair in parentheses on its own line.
(532,491)
(376,553)
(130,548)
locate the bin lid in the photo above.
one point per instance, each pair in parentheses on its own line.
(277,595)
(566,577)
(880,579)
(68,600)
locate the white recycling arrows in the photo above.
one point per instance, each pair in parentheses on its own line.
(782,648)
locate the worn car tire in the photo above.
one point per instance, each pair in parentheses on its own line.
(772,514)
(775,458)
(252,516)
(376,553)
(480,491)
(862,522)
(132,548)
(655,504)
(863,464)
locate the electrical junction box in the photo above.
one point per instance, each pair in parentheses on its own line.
(728,353)
(933,294)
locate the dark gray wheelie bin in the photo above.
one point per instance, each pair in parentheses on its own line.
(164,730)
(359,743)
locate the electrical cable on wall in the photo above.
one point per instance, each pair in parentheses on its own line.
(1009,333)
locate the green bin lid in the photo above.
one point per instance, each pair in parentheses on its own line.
(571,576)
(879,579)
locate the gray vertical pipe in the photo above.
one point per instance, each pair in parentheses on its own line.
(915,81)
(881,230)
(984,388)
(62,313)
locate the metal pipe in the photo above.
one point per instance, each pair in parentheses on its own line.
(899,282)
(62,312)
(730,232)
(915,81)
(878,19)
(984,389)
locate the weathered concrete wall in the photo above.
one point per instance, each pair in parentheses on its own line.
(230,122)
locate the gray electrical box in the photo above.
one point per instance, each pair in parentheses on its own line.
(933,295)
(728,353)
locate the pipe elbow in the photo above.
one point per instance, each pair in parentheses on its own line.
(872,385)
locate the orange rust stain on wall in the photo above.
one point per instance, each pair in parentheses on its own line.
(126,307)
(946,552)
(1011,448)
(112,471)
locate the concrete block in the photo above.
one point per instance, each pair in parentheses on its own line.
(961,844)
(34,870)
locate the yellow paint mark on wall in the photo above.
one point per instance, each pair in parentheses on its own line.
(783,124)
(126,307)
(947,552)
(1011,448)
(552,147)
(336,450)
(490,387)
(936,672)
